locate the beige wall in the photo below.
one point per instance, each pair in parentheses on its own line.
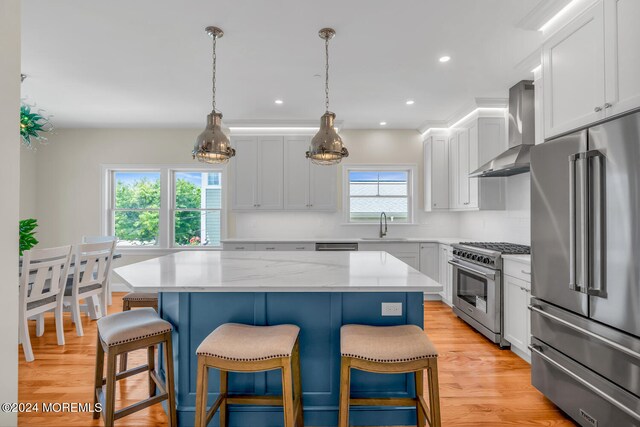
(28,183)
(9,214)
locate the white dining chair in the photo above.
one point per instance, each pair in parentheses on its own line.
(102,239)
(42,286)
(92,265)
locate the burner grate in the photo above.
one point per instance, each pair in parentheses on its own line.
(502,247)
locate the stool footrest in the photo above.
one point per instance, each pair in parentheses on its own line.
(128,373)
(248,399)
(140,405)
(383,401)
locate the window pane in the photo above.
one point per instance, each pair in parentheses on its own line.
(137,228)
(194,190)
(393,183)
(197,228)
(137,190)
(370,208)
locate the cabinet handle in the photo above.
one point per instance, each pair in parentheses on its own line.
(270,249)
(300,249)
(608,105)
(597,109)
(525,272)
(239,248)
(465,203)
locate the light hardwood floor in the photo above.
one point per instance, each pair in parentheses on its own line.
(479,384)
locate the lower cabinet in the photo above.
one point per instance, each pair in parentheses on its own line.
(429,260)
(446,273)
(517,322)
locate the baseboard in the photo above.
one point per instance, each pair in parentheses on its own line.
(524,356)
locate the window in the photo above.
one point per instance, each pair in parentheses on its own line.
(164,207)
(372,191)
(198,205)
(136,212)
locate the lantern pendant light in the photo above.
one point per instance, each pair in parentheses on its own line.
(326,146)
(212,145)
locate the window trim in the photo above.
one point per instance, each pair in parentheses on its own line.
(165,223)
(412,189)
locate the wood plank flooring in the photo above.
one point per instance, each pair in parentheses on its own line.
(479,384)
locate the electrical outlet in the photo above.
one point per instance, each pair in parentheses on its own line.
(392,309)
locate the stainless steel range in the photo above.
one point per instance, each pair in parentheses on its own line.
(477,285)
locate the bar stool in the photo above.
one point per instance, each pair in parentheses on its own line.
(233,347)
(127,331)
(387,350)
(136,300)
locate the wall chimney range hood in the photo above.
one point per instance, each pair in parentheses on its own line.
(521,135)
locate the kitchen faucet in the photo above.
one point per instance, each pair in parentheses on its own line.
(383,233)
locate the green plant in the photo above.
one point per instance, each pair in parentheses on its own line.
(27,234)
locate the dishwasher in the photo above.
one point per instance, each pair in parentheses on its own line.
(337,246)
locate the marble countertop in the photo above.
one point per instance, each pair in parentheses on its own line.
(260,271)
(520,258)
(444,240)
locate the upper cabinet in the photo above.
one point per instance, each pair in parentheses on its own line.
(307,186)
(622,55)
(272,173)
(470,146)
(590,67)
(258,173)
(436,173)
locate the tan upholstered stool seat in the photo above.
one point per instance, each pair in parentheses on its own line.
(386,344)
(140,296)
(131,325)
(233,341)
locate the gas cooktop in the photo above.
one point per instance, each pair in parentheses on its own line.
(502,247)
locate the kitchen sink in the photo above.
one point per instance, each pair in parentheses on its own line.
(385,239)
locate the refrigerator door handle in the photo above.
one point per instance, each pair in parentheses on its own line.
(596,285)
(539,351)
(578,218)
(572,221)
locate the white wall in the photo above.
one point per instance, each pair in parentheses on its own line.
(510,225)
(9,214)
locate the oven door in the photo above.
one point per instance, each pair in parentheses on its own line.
(476,292)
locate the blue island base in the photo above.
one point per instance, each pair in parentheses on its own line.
(319,316)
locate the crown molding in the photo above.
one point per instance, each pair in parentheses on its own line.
(541,14)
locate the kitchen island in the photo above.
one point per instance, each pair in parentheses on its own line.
(318,291)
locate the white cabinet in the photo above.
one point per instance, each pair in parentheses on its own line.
(239,246)
(591,67)
(409,253)
(307,186)
(436,173)
(258,173)
(482,138)
(517,293)
(622,55)
(429,260)
(445,273)
(274,246)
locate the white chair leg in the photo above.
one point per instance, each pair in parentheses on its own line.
(26,341)
(104,300)
(93,307)
(59,325)
(75,310)
(40,325)
(109,295)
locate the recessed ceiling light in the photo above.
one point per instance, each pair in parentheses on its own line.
(444,58)
(383,123)
(410,102)
(278,101)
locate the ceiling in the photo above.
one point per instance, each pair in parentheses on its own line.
(148,62)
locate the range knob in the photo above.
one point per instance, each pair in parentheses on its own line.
(485,260)
(474,257)
(467,255)
(455,252)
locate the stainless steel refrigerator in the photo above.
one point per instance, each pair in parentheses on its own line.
(585,247)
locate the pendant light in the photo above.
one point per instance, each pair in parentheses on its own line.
(326,146)
(212,145)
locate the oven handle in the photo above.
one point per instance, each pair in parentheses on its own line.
(490,276)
